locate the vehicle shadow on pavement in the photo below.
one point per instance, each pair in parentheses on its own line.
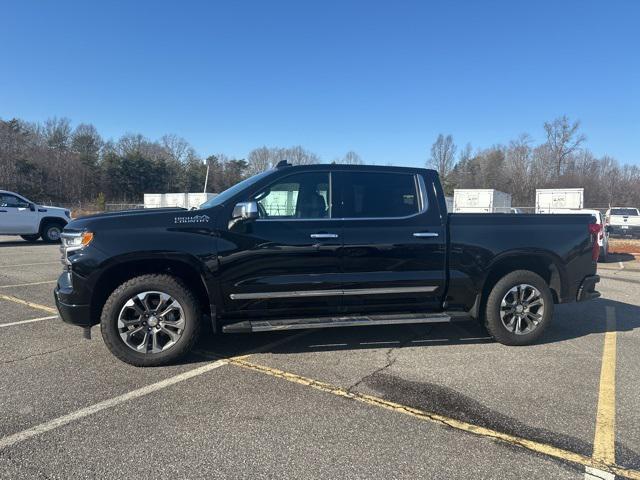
(569,322)
(581,319)
(23,243)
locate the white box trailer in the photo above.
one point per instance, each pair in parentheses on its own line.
(183,200)
(480,200)
(550,200)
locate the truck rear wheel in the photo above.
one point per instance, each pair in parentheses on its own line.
(150,320)
(519,308)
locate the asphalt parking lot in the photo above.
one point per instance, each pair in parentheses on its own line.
(387,402)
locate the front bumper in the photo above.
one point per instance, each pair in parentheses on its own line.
(70,312)
(587,289)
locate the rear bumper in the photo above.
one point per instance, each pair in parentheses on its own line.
(70,311)
(587,289)
(620,230)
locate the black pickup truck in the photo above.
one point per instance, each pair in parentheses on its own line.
(314,247)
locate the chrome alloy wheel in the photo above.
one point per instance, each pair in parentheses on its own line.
(151,322)
(522,309)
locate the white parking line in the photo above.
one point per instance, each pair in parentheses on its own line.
(28,321)
(140,392)
(27,284)
(112,402)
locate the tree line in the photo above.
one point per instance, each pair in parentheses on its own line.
(55,162)
(520,167)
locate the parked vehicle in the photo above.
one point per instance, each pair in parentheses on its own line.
(319,246)
(603,233)
(556,199)
(20,216)
(481,200)
(623,221)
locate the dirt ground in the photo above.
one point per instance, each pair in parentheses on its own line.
(625,245)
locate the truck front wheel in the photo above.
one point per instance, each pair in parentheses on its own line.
(150,320)
(519,308)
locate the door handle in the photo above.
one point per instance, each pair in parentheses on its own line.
(3,211)
(425,234)
(324,235)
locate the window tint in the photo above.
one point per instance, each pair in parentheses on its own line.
(624,211)
(304,195)
(7,200)
(376,195)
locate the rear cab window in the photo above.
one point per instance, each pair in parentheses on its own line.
(378,195)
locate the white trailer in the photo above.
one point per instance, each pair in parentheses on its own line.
(183,200)
(480,200)
(554,200)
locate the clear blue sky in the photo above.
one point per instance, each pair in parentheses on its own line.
(381,78)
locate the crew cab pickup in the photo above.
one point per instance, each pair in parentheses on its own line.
(623,221)
(20,216)
(318,246)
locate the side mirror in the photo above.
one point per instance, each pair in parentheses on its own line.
(244,211)
(32,207)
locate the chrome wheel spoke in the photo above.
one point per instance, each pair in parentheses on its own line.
(155,343)
(174,336)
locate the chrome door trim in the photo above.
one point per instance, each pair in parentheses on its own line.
(328,293)
(425,234)
(324,235)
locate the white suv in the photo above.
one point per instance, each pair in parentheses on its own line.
(19,216)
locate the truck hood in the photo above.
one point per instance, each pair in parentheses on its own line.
(145,218)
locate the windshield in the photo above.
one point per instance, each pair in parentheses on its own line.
(230,192)
(624,211)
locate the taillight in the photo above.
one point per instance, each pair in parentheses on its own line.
(594,230)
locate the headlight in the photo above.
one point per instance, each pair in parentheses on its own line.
(71,241)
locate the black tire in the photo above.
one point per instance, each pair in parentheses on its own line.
(31,238)
(154,282)
(493,321)
(51,230)
(604,254)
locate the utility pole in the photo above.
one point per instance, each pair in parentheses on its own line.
(206,178)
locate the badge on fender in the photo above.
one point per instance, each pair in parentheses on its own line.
(194,219)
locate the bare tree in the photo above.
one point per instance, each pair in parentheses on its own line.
(177,147)
(299,156)
(259,160)
(563,140)
(442,158)
(57,132)
(350,158)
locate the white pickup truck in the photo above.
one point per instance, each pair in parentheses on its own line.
(623,221)
(20,216)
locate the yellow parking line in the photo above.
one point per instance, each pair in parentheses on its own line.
(534,446)
(604,439)
(44,308)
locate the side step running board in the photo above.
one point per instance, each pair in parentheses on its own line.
(327,322)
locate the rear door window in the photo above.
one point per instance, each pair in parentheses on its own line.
(377,195)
